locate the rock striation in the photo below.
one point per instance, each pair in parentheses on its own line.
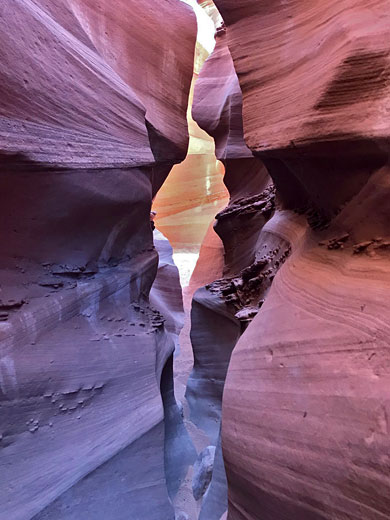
(252,255)
(291,328)
(305,428)
(93,104)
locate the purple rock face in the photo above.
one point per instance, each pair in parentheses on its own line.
(85,141)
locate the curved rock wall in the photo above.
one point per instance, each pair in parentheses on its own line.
(305,414)
(223,309)
(194,191)
(93,100)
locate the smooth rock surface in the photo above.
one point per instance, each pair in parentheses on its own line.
(166,294)
(215,500)
(194,191)
(220,312)
(182,516)
(304,428)
(92,118)
(310,72)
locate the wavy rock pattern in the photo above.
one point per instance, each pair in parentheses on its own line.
(305,428)
(279,48)
(222,310)
(93,104)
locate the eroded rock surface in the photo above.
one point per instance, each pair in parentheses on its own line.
(194,191)
(93,104)
(252,255)
(203,471)
(305,429)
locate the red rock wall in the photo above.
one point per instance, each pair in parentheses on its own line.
(253,252)
(321,69)
(305,428)
(93,100)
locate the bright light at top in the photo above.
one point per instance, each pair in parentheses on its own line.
(206,27)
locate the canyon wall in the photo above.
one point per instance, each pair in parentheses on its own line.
(194,191)
(93,100)
(252,253)
(306,402)
(293,335)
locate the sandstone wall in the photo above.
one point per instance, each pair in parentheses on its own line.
(252,254)
(93,100)
(305,428)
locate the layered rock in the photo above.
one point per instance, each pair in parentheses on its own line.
(217,90)
(92,117)
(305,428)
(251,257)
(194,191)
(164,294)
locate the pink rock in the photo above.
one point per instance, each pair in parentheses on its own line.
(305,432)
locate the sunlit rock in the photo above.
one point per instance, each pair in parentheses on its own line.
(194,191)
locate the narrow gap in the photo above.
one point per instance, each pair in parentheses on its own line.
(184,212)
(194,191)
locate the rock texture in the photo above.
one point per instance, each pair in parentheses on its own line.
(165,294)
(203,471)
(347,41)
(212,324)
(222,310)
(305,414)
(194,191)
(93,101)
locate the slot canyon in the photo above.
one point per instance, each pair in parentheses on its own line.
(195,260)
